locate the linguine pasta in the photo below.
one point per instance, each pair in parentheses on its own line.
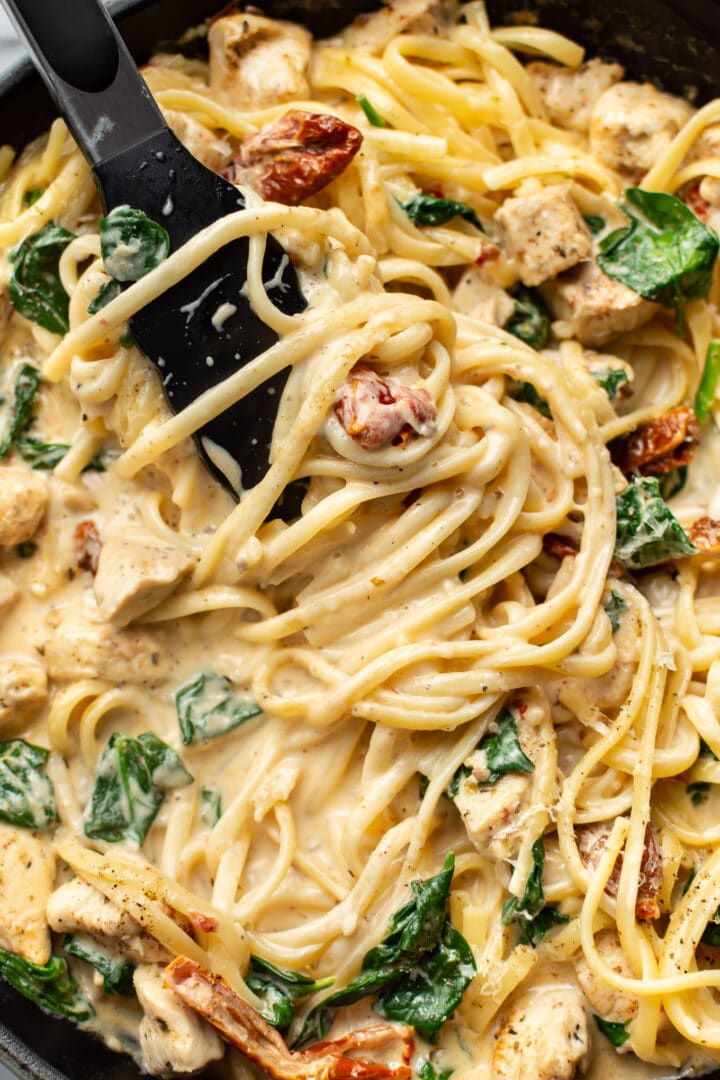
(458,585)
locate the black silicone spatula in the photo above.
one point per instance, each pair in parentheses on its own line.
(137,161)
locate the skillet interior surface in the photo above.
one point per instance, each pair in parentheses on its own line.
(674,43)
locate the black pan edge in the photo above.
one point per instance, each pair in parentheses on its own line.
(674,43)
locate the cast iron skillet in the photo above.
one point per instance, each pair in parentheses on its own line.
(674,43)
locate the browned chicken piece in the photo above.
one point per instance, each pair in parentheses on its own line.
(173,1038)
(372,32)
(474,295)
(256,62)
(633,124)
(660,445)
(705,535)
(207,146)
(543,1036)
(569,94)
(295,157)
(559,546)
(135,574)
(244,1028)
(79,908)
(23,501)
(78,648)
(607,1002)
(378,413)
(27,869)
(596,307)
(23,689)
(592,840)
(544,233)
(87,545)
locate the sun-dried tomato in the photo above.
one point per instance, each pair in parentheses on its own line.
(705,535)
(694,200)
(378,413)
(591,844)
(557,545)
(658,446)
(296,156)
(87,546)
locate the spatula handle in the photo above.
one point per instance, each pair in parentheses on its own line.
(89,73)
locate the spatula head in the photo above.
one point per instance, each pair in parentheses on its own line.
(191,349)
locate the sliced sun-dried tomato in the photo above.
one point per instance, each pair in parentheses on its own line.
(377,412)
(87,546)
(705,535)
(591,844)
(557,545)
(296,156)
(660,445)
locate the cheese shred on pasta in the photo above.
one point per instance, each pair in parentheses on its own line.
(460,644)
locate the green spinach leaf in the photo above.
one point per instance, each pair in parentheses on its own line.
(532,901)
(49,985)
(45,456)
(208,707)
(280,989)
(130,783)
(532,933)
(673,482)
(425,209)
(131,243)
(666,253)
(698,792)
(647,531)
(595,223)
(529,321)
(26,792)
(611,379)
(32,195)
(109,291)
(708,382)
(26,550)
(35,288)
(503,751)
(614,606)
(526,392)
(615,1031)
(117,974)
(370,111)
(26,387)
(210,806)
(420,970)
(427,1071)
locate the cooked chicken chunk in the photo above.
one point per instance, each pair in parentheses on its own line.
(544,233)
(207,146)
(27,870)
(372,32)
(23,501)
(569,94)
(632,125)
(596,307)
(173,1038)
(81,649)
(135,575)
(606,1001)
(8,592)
(23,689)
(77,908)
(491,813)
(482,299)
(256,62)
(544,1036)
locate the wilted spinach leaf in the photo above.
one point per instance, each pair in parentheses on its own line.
(32,195)
(666,253)
(280,989)
(426,209)
(420,969)
(614,606)
(370,111)
(503,754)
(35,288)
(613,1030)
(210,806)
(26,793)
(207,707)
(526,392)
(595,223)
(117,973)
(49,985)
(611,379)
(130,784)
(532,901)
(109,291)
(427,1071)
(671,483)
(532,933)
(45,456)
(647,530)
(698,792)
(132,244)
(708,382)
(26,387)
(529,321)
